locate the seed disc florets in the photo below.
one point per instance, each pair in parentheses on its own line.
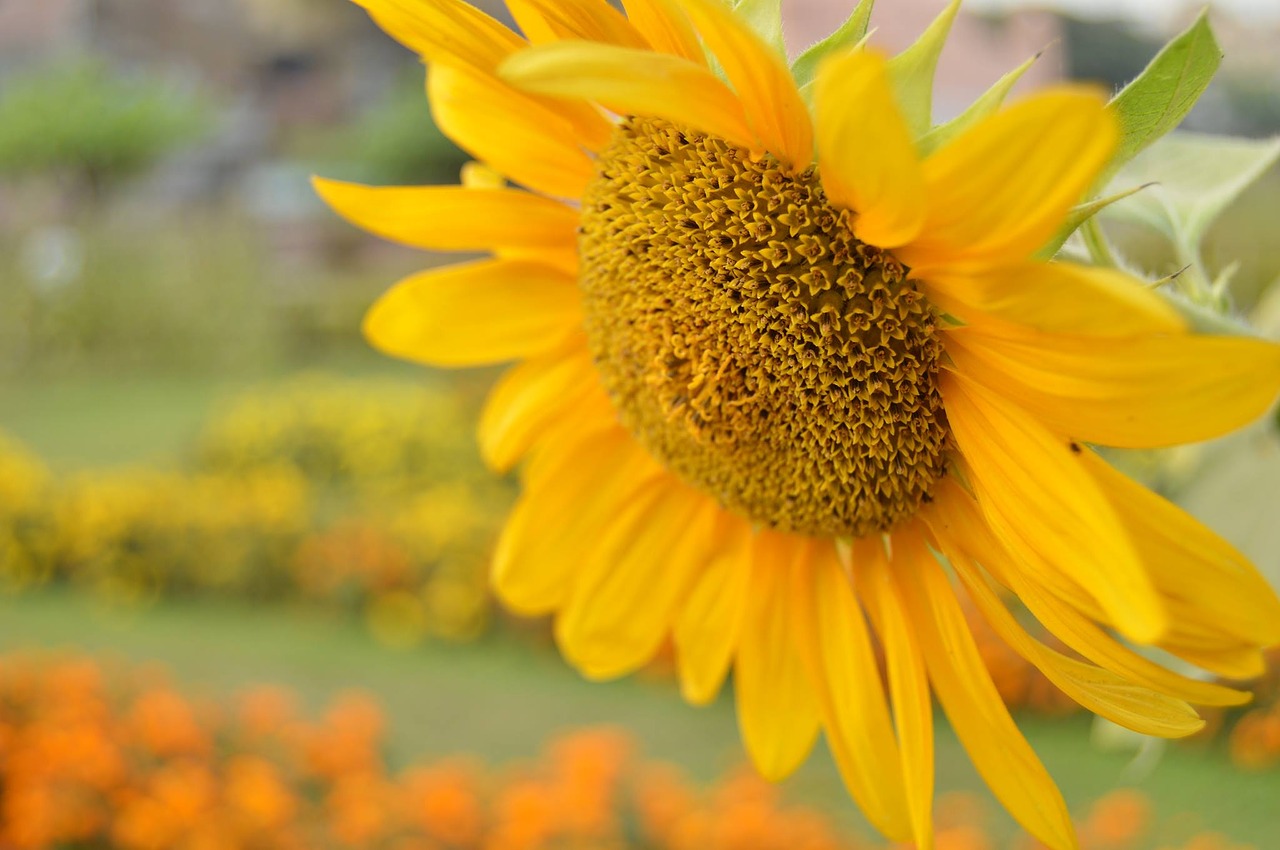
(751,343)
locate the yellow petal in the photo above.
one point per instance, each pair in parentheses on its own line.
(475,313)
(977,713)
(562,514)
(665,28)
(484,116)
(452,218)
(960,528)
(775,110)
(445,30)
(866,156)
(1038,498)
(1136,392)
(1240,663)
(669,87)
(1061,297)
(1083,636)
(456,33)
(534,396)
(592,128)
(1190,563)
(835,645)
(908,685)
(1000,190)
(562,259)
(1102,692)
(777,711)
(586,20)
(627,588)
(708,625)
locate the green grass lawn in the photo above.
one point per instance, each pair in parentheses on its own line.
(99,420)
(74,423)
(502,699)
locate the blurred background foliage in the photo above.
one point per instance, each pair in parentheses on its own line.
(80,119)
(203,464)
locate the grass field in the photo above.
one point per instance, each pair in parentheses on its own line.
(498,698)
(111,420)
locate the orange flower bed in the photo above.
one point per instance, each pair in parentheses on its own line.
(95,756)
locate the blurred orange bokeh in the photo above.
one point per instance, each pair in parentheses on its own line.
(108,756)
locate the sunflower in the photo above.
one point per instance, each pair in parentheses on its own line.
(777,365)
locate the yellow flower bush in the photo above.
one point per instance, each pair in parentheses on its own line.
(117,758)
(138,532)
(370,498)
(380,438)
(24,514)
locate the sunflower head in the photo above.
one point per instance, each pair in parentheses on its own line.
(781,345)
(751,342)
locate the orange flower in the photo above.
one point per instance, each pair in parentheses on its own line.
(443,800)
(257,795)
(1118,820)
(167,725)
(1255,740)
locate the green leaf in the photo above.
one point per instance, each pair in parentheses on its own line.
(1203,318)
(913,69)
(849,36)
(1163,94)
(1233,491)
(1266,316)
(986,105)
(765,17)
(1082,213)
(1197,178)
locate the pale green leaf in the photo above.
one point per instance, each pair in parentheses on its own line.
(1234,492)
(765,17)
(1197,177)
(1214,319)
(913,69)
(1163,94)
(849,36)
(1266,315)
(1080,214)
(990,101)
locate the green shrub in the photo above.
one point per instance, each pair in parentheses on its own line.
(83,118)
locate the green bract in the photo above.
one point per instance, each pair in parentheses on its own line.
(1148,109)
(913,71)
(849,36)
(1163,94)
(989,102)
(765,17)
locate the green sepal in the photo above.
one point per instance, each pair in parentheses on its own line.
(913,69)
(1162,95)
(1082,213)
(765,17)
(990,101)
(846,38)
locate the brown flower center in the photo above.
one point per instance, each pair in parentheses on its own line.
(751,343)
